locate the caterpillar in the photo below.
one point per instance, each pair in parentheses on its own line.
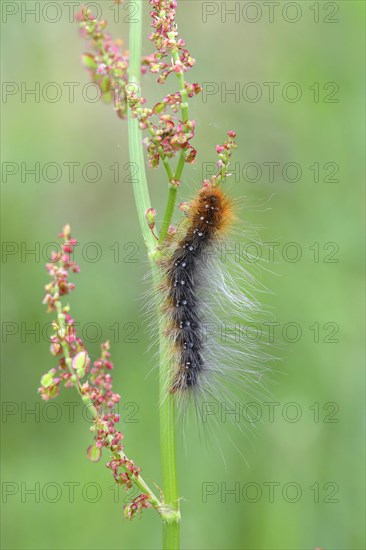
(210,215)
(196,286)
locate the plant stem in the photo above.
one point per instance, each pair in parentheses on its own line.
(140,187)
(173,189)
(168,214)
(171,530)
(167,425)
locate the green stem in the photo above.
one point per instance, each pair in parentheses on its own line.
(171,529)
(171,522)
(173,189)
(168,214)
(140,187)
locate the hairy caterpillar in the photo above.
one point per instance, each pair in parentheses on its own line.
(198,289)
(210,214)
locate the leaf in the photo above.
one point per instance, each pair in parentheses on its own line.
(88,61)
(93,453)
(105,84)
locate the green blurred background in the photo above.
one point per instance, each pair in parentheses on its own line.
(321,454)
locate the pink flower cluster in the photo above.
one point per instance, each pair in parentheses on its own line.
(138,504)
(64,337)
(74,364)
(59,268)
(167,135)
(170,136)
(224,151)
(108,66)
(98,388)
(165,38)
(116,463)
(174,100)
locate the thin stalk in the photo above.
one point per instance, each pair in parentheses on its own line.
(140,187)
(173,188)
(171,523)
(171,529)
(168,214)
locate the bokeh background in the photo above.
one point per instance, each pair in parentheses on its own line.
(321,454)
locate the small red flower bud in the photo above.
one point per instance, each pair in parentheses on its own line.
(150,215)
